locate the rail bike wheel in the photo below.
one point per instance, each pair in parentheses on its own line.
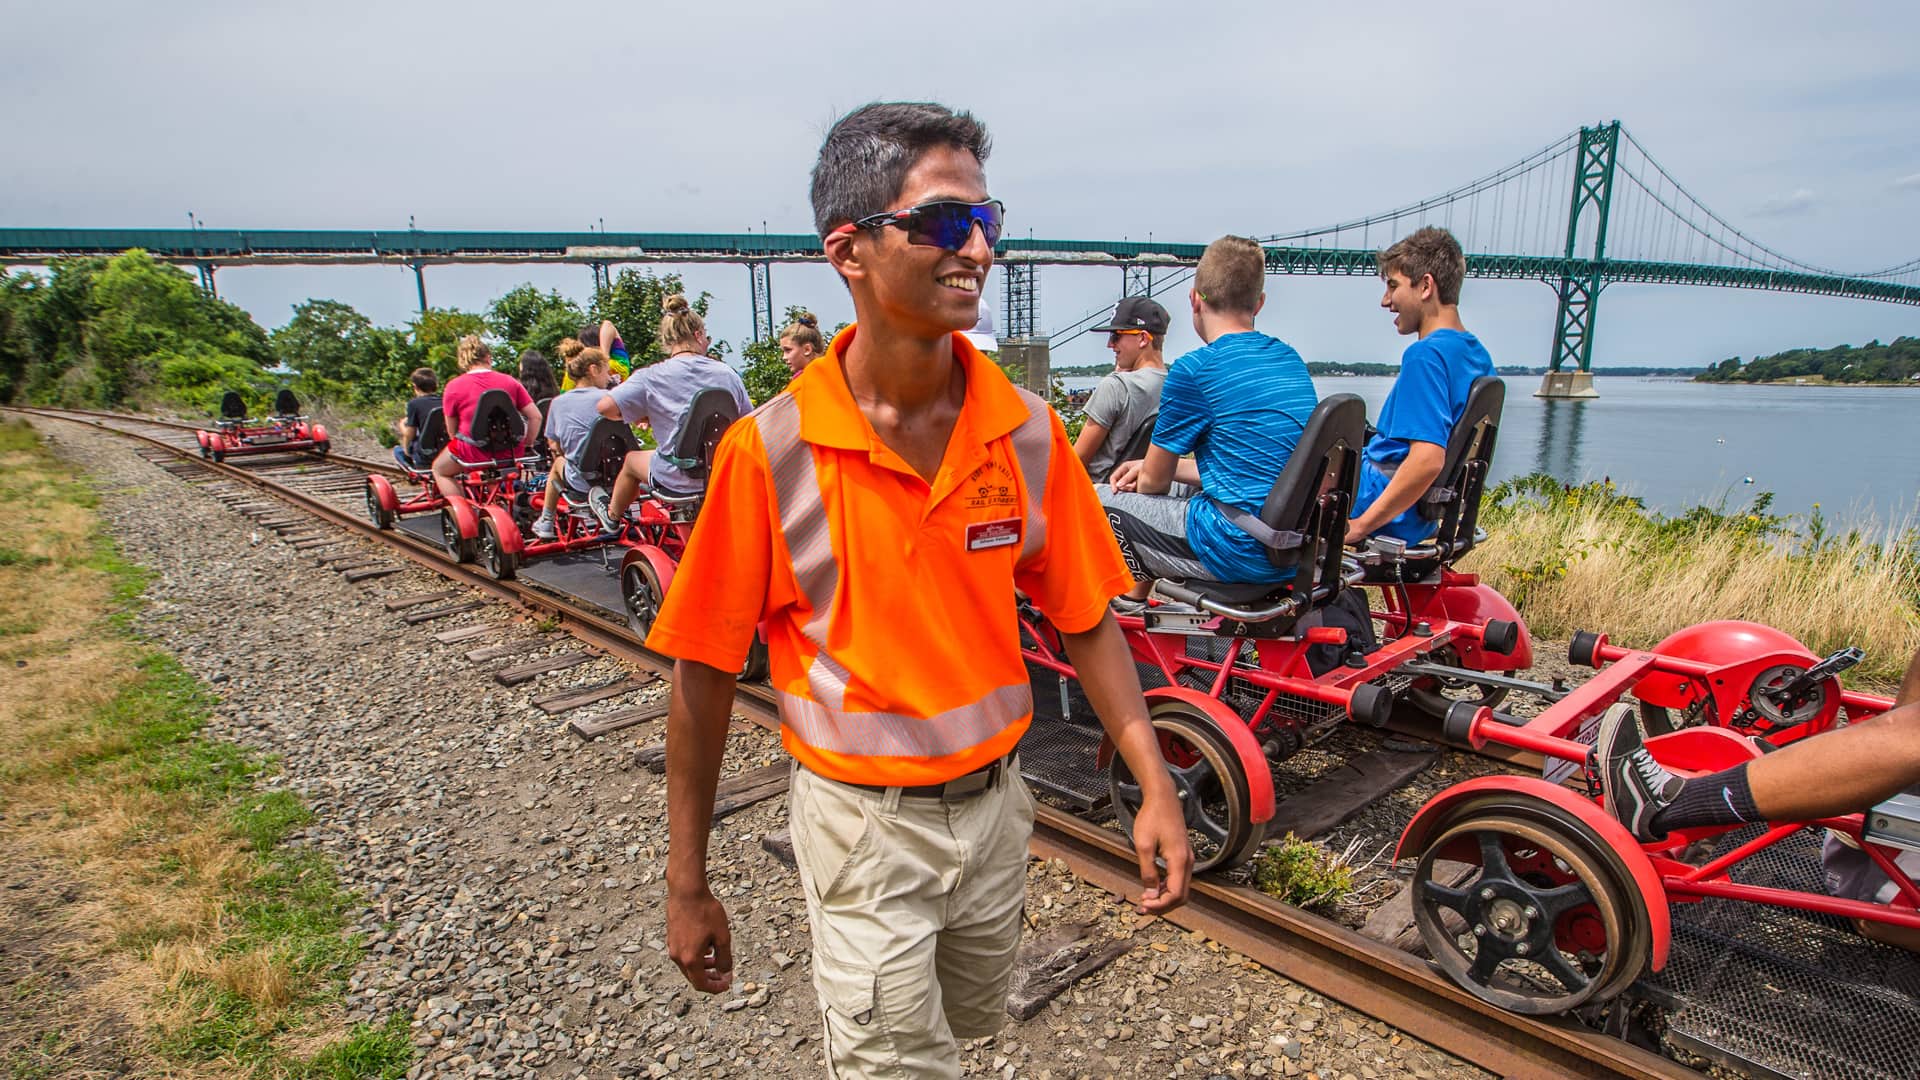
(1208,779)
(381,517)
(218,456)
(755,667)
(500,563)
(1433,695)
(640,590)
(1543,919)
(459,548)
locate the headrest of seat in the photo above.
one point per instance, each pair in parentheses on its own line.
(285,404)
(1137,446)
(712,412)
(1472,440)
(233,406)
(608,444)
(496,427)
(1328,451)
(432,437)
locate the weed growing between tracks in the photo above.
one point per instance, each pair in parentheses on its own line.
(1589,558)
(160,915)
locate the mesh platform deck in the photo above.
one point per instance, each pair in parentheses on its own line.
(1057,753)
(1792,993)
(583,577)
(424,526)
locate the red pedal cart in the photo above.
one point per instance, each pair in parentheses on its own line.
(285,432)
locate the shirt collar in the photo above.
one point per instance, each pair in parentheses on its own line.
(830,417)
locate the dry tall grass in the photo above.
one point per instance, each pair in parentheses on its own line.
(1587,559)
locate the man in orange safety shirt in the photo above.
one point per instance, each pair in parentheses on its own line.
(879,516)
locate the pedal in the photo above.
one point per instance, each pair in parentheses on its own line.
(1829,668)
(1895,822)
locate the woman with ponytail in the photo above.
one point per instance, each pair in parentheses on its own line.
(801,342)
(661,395)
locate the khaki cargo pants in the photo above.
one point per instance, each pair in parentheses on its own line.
(915,908)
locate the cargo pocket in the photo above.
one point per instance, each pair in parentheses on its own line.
(859,1039)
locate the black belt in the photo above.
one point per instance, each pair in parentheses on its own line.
(960,787)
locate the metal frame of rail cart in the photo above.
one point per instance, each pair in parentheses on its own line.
(1530,895)
(484,512)
(285,432)
(1238,677)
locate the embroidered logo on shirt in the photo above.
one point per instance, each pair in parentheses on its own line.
(990,485)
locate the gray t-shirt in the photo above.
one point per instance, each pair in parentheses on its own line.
(1122,403)
(570,420)
(662,393)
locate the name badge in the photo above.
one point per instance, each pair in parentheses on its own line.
(987,535)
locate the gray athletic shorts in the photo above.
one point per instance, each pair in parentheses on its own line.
(1152,533)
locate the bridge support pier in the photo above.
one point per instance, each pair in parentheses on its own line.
(1035,356)
(1567,384)
(206,279)
(762,274)
(420,283)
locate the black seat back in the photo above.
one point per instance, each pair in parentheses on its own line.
(233,406)
(543,405)
(708,418)
(431,438)
(285,404)
(608,445)
(1137,446)
(1314,495)
(1454,498)
(496,427)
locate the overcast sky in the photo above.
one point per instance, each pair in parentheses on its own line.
(1181,120)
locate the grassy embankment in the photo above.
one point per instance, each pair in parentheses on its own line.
(155,923)
(1589,558)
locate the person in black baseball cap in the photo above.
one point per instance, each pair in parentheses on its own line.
(1125,402)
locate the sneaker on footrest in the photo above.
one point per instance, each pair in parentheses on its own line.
(1636,788)
(543,528)
(597,501)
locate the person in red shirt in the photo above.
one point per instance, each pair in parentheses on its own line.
(877,517)
(457,401)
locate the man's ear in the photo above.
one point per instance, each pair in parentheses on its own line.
(1193,298)
(1428,290)
(842,256)
(1260,303)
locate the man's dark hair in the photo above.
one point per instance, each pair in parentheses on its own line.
(424,380)
(589,335)
(1428,250)
(867,154)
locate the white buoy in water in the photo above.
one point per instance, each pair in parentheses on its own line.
(1748,480)
(1721,439)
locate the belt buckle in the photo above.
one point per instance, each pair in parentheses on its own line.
(962,787)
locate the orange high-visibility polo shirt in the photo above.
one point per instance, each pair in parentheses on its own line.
(889,605)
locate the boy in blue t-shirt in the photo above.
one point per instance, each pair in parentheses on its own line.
(1423,274)
(1238,404)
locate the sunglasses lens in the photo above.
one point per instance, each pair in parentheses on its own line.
(949,224)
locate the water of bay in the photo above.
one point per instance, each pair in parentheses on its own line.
(1675,443)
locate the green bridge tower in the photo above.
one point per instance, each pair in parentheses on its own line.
(1570,370)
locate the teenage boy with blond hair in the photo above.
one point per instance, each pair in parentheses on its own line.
(1238,404)
(1423,274)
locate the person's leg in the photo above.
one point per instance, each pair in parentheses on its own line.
(974,959)
(634,472)
(875,871)
(400,457)
(1152,533)
(1837,772)
(1910,686)
(447,471)
(543,524)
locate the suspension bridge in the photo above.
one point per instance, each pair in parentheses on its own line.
(1589,210)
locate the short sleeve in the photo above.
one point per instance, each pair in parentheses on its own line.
(719,592)
(631,397)
(1079,568)
(1107,402)
(521,399)
(1419,412)
(1184,416)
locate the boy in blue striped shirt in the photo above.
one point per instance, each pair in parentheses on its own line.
(1238,404)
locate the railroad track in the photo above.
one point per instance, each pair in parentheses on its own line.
(1363,974)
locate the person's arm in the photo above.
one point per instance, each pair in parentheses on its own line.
(1092,437)
(698,938)
(1407,486)
(1160,468)
(1112,685)
(407,435)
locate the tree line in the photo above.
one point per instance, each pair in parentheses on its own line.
(130,331)
(1873,362)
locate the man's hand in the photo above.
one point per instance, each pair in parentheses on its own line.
(1166,858)
(699,940)
(1126,476)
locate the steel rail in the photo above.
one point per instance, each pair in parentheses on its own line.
(1358,972)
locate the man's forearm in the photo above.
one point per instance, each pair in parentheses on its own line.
(697,719)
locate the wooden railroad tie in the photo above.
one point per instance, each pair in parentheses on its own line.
(464,633)
(1055,960)
(514,676)
(1324,804)
(315,545)
(404,602)
(511,648)
(590,727)
(372,572)
(414,618)
(780,846)
(356,561)
(573,699)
